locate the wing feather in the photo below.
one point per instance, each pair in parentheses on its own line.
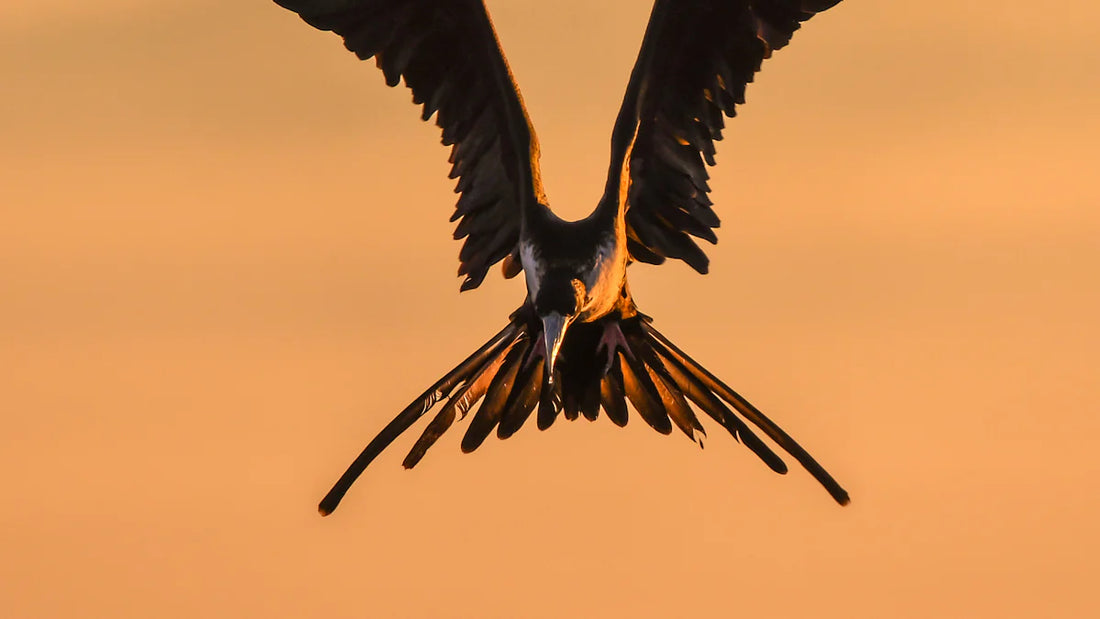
(696,59)
(448,55)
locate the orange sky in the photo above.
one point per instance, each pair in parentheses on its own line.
(225,264)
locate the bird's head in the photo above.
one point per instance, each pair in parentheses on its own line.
(558,302)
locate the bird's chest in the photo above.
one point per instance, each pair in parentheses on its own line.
(600,265)
(604,278)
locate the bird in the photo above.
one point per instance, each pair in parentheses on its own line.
(578,343)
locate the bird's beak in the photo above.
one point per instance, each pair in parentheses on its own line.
(553,329)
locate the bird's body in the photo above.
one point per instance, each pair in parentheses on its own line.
(577,344)
(591,250)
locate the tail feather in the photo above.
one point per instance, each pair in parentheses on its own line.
(602,365)
(590,400)
(438,425)
(524,397)
(713,406)
(613,396)
(549,404)
(570,405)
(688,419)
(496,397)
(673,401)
(643,393)
(671,395)
(751,413)
(415,410)
(581,376)
(461,402)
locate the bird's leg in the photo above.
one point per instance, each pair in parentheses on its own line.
(611,340)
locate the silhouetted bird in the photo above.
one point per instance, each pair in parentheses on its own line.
(578,343)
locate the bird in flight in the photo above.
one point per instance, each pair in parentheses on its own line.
(578,344)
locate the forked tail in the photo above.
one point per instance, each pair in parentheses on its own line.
(601,365)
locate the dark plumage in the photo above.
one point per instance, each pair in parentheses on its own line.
(577,344)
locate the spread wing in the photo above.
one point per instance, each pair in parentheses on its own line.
(696,59)
(448,54)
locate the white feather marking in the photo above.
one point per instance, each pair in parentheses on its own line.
(532,268)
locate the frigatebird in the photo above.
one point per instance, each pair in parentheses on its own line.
(578,343)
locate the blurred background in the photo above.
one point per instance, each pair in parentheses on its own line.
(225,264)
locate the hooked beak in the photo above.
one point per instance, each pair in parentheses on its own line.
(553,330)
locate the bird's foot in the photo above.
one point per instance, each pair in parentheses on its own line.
(611,340)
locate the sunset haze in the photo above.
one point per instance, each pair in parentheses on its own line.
(226,263)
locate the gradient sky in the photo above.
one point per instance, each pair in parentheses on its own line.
(225,264)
